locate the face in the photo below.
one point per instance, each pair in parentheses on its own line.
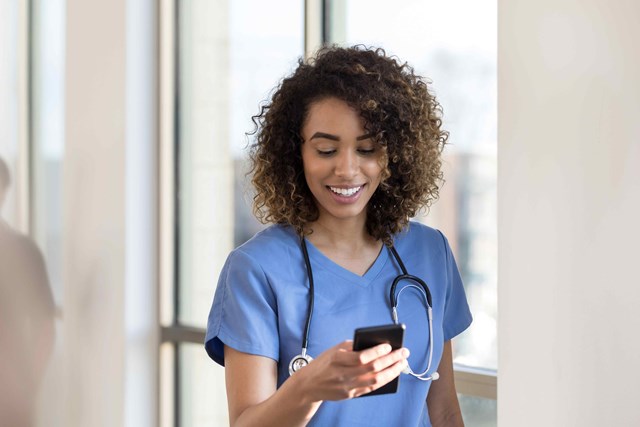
(342,163)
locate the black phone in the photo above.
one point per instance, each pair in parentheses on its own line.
(369,337)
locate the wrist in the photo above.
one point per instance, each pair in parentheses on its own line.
(302,390)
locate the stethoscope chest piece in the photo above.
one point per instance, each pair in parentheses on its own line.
(299,362)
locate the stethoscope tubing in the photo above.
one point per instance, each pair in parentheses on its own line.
(307,325)
(304,358)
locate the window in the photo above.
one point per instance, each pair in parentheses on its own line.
(11,115)
(229,55)
(47,137)
(47,145)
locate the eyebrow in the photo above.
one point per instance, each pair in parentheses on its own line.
(337,138)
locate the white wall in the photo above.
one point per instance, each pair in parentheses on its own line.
(569,203)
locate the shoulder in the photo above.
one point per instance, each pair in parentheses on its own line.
(417,234)
(268,247)
(273,240)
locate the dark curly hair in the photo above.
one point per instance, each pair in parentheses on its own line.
(397,109)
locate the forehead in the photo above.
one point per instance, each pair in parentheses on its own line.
(332,115)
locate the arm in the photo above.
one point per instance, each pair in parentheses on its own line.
(442,400)
(251,393)
(338,373)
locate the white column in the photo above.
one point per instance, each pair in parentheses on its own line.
(94,211)
(569,203)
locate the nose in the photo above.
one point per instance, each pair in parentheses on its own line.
(346,164)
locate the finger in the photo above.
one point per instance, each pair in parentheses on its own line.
(391,372)
(339,353)
(381,378)
(383,362)
(368,355)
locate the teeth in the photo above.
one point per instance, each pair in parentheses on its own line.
(345,191)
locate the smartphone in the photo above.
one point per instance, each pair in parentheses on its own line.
(369,337)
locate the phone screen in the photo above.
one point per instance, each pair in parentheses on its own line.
(369,337)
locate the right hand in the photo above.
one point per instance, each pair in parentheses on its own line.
(341,373)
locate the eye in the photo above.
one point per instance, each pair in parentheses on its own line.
(366,151)
(325,153)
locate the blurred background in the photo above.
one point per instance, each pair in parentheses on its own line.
(123,129)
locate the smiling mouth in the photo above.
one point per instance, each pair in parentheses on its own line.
(346,192)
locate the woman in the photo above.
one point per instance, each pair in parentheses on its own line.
(346,152)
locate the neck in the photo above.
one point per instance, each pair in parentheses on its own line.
(346,243)
(348,234)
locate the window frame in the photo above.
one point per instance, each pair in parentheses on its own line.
(22,182)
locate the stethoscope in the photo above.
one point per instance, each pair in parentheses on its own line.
(303,359)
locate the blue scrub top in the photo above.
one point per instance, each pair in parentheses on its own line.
(260,307)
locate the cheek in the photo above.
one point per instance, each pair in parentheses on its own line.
(312,171)
(374,170)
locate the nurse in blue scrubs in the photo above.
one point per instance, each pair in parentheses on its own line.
(346,152)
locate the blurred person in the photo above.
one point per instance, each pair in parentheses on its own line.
(347,151)
(26,320)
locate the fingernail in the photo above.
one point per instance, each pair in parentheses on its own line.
(405,352)
(386,348)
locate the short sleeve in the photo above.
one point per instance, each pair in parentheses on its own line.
(457,316)
(243,315)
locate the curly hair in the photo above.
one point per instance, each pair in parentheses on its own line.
(397,108)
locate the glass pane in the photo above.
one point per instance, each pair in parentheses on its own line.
(478,412)
(47,142)
(453,44)
(48,133)
(8,107)
(231,54)
(203,398)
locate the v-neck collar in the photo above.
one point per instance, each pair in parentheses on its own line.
(318,259)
